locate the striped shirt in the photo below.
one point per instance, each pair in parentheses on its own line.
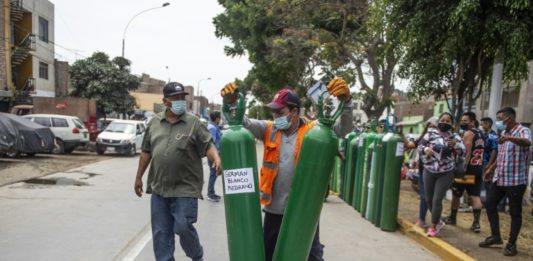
(443,158)
(511,168)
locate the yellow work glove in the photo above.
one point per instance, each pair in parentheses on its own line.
(229,88)
(339,88)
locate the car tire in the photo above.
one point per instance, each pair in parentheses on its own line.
(133,150)
(59,147)
(99,150)
(12,154)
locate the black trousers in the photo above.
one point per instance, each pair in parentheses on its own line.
(271,227)
(515,195)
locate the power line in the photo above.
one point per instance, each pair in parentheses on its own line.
(25,31)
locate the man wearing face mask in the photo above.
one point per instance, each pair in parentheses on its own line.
(282,139)
(474,145)
(510,178)
(175,143)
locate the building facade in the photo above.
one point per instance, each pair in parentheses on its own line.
(150,85)
(517,95)
(28,53)
(149,95)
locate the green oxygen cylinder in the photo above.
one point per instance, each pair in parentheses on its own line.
(339,165)
(359,170)
(375,169)
(391,181)
(241,190)
(349,168)
(333,180)
(306,197)
(369,149)
(379,185)
(340,180)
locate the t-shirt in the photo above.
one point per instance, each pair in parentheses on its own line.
(177,150)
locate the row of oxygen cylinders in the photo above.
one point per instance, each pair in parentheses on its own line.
(369,177)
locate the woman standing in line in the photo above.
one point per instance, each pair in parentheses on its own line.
(439,149)
(431,123)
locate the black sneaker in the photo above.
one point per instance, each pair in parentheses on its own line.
(217,196)
(489,241)
(475,227)
(212,198)
(449,220)
(510,250)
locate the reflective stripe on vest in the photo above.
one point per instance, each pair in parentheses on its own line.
(269,170)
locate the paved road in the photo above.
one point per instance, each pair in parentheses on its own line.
(91,213)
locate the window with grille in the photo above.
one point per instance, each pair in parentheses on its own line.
(43,29)
(43,70)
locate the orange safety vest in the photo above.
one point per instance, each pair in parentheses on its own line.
(269,170)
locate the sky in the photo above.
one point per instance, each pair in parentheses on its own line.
(179,36)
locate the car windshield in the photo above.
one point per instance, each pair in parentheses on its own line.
(120,127)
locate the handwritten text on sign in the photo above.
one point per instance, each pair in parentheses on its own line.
(239,181)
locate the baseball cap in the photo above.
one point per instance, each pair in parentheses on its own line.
(283,98)
(173,88)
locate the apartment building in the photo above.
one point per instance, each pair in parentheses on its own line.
(27,67)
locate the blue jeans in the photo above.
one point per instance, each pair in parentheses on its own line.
(212,180)
(423,208)
(174,216)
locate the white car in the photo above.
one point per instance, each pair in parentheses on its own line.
(124,136)
(70,132)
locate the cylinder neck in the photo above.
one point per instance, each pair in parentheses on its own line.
(234,113)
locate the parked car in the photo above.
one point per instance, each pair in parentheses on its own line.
(21,136)
(70,132)
(124,136)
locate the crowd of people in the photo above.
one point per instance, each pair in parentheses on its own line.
(472,159)
(469,159)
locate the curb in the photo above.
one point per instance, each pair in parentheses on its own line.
(433,244)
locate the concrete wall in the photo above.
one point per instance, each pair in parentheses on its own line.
(153,101)
(45,51)
(147,101)
(412,124)
(80,107)
(23,72)
(3,53)
(407,109)
(62,79)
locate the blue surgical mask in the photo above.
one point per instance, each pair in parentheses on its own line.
(282,123)
(499,125)
(179,107)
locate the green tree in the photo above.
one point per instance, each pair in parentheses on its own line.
(449,46)
(106,81)
(259,112)
(288,42)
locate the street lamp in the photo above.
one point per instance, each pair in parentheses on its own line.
(143,11)
(198,94)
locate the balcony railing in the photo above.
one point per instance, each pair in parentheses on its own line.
(29,86)
(22,50)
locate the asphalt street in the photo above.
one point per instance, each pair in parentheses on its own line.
(91,213)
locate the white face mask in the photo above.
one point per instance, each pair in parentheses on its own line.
(178,107)
(282,123)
